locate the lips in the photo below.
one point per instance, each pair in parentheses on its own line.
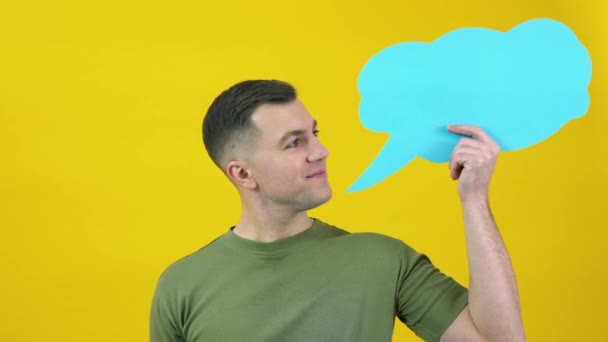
(317,174)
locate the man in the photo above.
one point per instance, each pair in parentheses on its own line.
(279,275)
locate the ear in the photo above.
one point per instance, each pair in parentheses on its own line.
(240,175)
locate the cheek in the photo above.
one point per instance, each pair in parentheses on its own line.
(280,171)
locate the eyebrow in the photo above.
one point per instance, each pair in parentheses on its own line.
(297,132)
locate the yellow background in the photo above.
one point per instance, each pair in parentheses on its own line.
(104,179)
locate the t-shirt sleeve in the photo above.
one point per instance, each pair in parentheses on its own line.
(428,301)
(163,315)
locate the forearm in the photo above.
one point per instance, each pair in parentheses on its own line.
(493,295)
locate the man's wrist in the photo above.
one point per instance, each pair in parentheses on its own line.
(475,201)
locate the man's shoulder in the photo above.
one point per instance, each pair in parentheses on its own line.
(329,230)
(195,262)
(366,239)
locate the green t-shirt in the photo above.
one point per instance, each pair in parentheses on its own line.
(323,284)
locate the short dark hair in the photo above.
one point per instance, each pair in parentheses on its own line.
(229,116)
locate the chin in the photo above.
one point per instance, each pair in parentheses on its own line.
(324,198)
(329,194)
(316,201)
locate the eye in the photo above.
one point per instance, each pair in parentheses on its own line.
(316,132)
(294,143)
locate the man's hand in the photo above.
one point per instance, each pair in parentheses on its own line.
(472,162)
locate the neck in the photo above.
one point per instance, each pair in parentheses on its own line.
(268,225)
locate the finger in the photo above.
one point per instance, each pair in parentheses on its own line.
(470,130)
(455,167)
(460,155)
(455,172)
(468,143)
(471,155)
(456,164)
(488,144)
(459,162)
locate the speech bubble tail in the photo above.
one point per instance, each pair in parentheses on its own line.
(391,159)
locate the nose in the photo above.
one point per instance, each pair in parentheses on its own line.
(317,151)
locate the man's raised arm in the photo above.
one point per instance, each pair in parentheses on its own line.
(493,312)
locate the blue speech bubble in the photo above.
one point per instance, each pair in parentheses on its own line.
(521,87)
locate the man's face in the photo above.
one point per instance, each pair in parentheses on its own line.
(287,159)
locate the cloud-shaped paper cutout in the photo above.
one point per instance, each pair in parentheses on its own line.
(521,87)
